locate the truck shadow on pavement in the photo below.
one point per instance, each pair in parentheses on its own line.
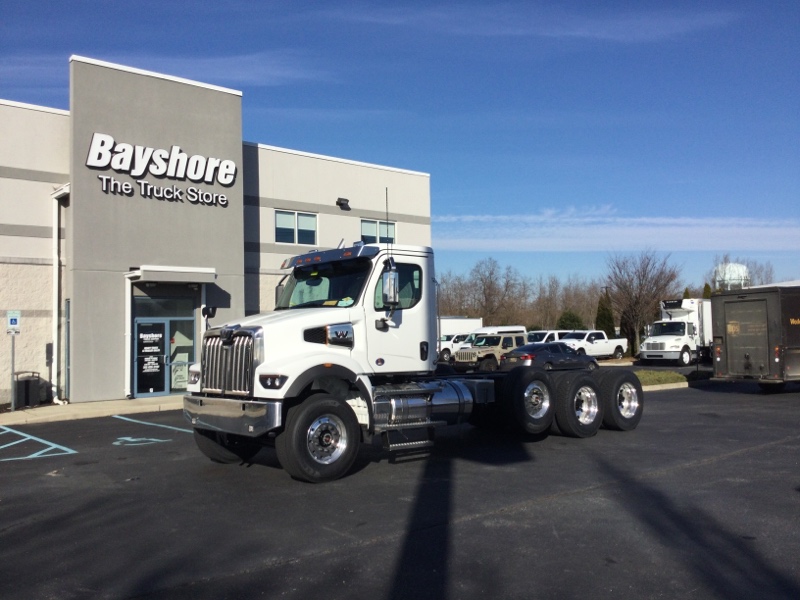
(723,562)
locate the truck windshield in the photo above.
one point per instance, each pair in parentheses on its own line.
(334,284)
(575,335)
(668,328)
(489,340)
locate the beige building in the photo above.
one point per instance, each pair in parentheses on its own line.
(126,219)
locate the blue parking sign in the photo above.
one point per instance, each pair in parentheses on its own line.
(13,321)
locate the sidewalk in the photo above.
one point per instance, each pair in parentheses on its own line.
(47,413)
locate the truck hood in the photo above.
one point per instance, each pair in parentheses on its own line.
(310,317)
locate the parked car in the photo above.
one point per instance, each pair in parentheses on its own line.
(549,356)
(449,343)
(547,335)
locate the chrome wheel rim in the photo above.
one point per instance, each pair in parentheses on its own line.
(326,439)
(536,400)
(627,400)
(587,405)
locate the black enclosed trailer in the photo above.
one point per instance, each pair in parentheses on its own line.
(757,334)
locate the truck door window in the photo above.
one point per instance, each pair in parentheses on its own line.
(410,285)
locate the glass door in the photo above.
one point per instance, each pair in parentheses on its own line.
(164,330)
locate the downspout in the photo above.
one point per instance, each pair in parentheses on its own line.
(58,195)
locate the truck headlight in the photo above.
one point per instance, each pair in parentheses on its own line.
(272,382)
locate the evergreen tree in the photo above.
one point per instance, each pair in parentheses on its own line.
(707,291)
(686,293)
(569,320)
(605,316)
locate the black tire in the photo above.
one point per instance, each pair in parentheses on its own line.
(528,400)
(579,412)
(685,357)
(320,439)
(442,369)
(445,355)
(593,366)
(581,351)
(618,352)
(622,399)
(488,365)
(225,448)
(548,366)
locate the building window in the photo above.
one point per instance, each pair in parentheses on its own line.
(295,228)
(370,232)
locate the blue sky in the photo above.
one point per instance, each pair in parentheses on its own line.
(556,133)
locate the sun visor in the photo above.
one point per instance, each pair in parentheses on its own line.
(172,274)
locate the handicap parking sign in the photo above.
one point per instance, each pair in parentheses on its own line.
(13,321)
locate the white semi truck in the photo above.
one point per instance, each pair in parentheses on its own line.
(682,335)
(349,354)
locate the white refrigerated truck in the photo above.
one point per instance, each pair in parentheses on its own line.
(683,333)
(349,353)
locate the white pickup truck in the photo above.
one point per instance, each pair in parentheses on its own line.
(596,343)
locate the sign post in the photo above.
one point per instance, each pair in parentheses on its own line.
(13,331)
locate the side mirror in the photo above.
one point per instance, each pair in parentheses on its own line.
(391,292)
(209,312)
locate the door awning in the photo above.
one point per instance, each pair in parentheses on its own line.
(172,274)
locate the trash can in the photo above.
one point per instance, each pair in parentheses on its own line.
(29,389)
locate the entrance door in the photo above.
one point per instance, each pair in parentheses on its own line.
(162,363)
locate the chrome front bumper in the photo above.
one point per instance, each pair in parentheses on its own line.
(243,417)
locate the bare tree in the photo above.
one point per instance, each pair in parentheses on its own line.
(495,291)
(546,308)
(637,284)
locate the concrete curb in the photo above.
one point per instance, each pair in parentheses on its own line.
(89,410)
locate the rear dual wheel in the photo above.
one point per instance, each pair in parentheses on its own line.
(579,412)
(528,400)
(622,398)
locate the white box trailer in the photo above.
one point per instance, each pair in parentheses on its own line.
(683,333)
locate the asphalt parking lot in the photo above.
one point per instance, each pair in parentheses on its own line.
(701,501)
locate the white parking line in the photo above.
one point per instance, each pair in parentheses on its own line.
(153,424)
(50,449)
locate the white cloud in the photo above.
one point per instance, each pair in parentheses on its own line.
(272,68)
(601,229)
(525,19)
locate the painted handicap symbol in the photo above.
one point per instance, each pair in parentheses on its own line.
(130,441)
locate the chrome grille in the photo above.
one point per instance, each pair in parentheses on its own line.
(228,368)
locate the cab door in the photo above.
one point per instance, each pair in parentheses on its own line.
(403,339)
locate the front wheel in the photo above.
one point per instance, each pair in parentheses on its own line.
(445,356)
(320,441)
(488,365)
(685,358)
(225,448)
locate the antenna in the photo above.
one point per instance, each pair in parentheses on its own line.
(388,243)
